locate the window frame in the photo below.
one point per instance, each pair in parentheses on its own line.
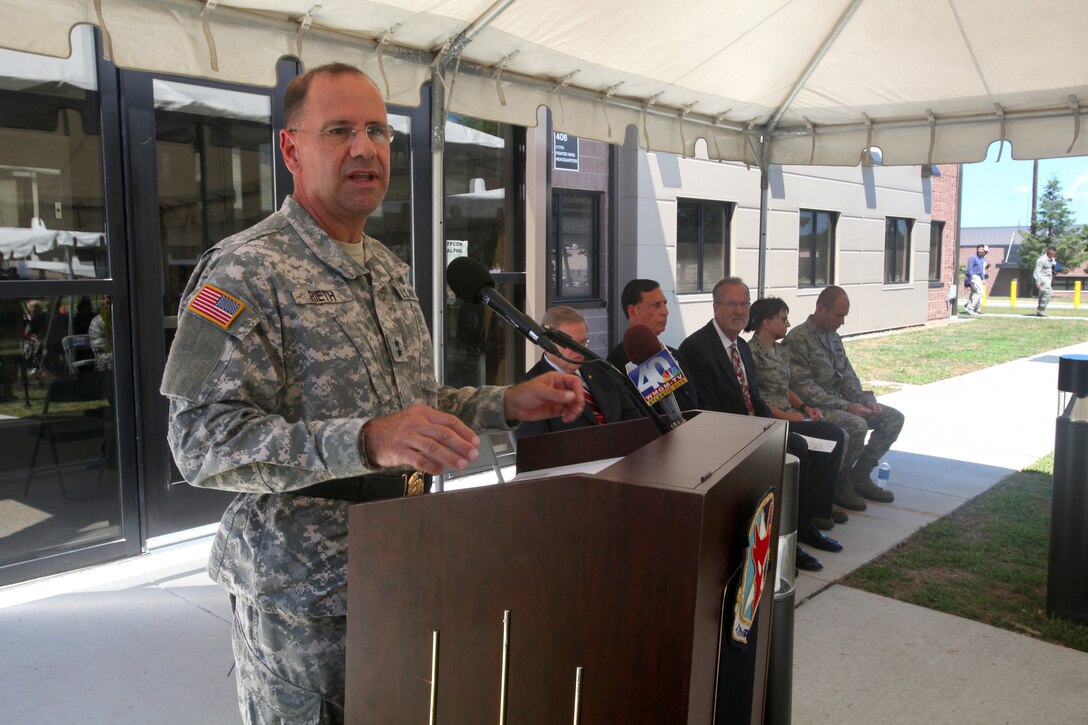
(833,224)
(896,263)
(702,286)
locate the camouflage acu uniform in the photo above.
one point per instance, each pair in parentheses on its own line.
(1044,279)
(823,377)
(772,373)
(275,401)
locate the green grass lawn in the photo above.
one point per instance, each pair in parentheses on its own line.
(925,355)
(986,561)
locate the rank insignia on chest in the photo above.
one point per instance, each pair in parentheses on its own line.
(396,345)
(214,304)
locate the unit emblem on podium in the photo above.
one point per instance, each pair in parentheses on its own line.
(753,578)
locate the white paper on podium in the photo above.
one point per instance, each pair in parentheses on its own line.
(589,467)
(821,445)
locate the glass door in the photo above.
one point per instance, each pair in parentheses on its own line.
(67,494)
(207,174)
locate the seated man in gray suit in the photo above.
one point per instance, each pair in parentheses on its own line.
(606,402)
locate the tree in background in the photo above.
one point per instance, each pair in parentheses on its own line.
(1055,227)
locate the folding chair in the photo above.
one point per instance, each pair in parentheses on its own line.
(78,355)
(74,426)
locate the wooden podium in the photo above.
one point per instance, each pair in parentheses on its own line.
(591,599)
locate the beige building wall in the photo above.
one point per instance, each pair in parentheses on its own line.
(862,197)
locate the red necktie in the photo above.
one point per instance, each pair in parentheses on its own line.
(738,368)
(591,403)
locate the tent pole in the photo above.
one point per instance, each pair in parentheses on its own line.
(764,195)
(438,215)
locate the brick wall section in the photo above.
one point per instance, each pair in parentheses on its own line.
(945,207)
(592,175)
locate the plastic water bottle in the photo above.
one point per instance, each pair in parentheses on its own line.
(884,474)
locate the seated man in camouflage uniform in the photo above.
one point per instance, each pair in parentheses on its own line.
(302,378)
(823,377)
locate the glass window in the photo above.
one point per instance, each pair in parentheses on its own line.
(214,170)
(52,216)
(816,248)
(936,235)
(576,217)
(702,243)
(57,427)
(897,249)
(484,171)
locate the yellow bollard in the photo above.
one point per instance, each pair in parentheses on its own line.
(1076,295)
(985,294)
(1012,294)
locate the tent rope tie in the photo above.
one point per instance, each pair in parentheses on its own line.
(498,77)
(812,135)
(932,135)
(604,103)
(205,15)
(867,154)
(558,90)
(436,64)
(107,44)
(386,39)
(449,92)
(683,141)
(1000,117)
(717,120)
(1074,106)
(303,26)
(646,113)
(748,146)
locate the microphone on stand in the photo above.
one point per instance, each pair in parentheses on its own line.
(471,282)
(654,371)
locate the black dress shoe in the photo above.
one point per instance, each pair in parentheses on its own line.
(817,539)
(807,561)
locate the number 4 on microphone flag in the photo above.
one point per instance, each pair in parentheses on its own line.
(657,377)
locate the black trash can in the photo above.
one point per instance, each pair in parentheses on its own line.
(1067,570)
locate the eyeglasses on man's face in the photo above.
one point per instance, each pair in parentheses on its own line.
(734,304)
(379,134)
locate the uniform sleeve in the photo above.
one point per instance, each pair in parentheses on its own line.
(225,381)
(802,379)
(1037,275)
(477,408)
(851,384)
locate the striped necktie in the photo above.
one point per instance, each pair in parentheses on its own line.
(591,402)
(738,368)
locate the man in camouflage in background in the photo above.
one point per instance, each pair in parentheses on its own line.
(821,374)
(301,377)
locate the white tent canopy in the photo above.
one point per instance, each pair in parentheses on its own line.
(783,81)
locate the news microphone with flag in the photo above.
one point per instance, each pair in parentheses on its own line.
(654,370)
(471,282)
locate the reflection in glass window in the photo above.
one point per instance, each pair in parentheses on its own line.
(59,473)
(815,248)
(214,168)
(702,243)
(897,249)
(936,235)
(482,162)
(52,218)
(576,221)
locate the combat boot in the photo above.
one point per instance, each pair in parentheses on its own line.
(863,485)
(847,498)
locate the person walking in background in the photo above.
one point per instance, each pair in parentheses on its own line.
(976,277)
(822,375)
(1045,267)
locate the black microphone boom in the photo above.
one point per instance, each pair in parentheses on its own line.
(471,282)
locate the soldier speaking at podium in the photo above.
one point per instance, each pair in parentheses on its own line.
(301,377)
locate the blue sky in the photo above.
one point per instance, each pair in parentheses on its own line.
(998,193)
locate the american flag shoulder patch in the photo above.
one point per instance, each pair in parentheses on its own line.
(214,304)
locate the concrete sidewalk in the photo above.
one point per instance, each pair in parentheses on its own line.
(148,640)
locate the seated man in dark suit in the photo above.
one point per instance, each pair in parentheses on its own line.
(720,365)
(606,402)
(644,304)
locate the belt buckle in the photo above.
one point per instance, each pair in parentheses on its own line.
(413,483)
